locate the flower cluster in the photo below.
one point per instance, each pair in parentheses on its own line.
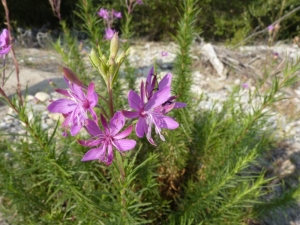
(152,105)
(108,18)
(149,108)
(82,103)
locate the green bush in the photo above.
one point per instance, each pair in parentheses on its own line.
(202,174)
(156,20)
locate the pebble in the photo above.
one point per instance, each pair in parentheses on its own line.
(42,96)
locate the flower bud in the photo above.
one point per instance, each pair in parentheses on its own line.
(112,66)
(121,57)
(104,59)
(114,46)
(94,58)
(71,76)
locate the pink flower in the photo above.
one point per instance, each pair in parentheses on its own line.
(107,139)
(76,106)
(103,13)
(163,53)
(140,2)
(271,28)
(150,113)
(165,81)
(5,45)
(117,14)
(245,85)
(109,33)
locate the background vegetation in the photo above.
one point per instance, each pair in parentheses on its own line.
(221,20)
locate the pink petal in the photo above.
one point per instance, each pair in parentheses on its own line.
(77,92)
(67,121)
(166,81)
(160,97)
(130,114)
(91,95)
(124,145)
(166,122)
(167,108)
(75,129)
(94,115)
(179,105)
(150,84)
(142,92)
(134,100)
(93,128)
(104,124)
(5,50)
(62,106)
(63,92)
(149,78)
(151,141)
(110,156)
(141,127)
(116,123)
(89,143)
(124,133)
(95,154)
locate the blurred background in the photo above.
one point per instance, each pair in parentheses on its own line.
(221,20)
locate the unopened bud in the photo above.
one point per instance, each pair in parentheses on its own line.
(103,59)
(111,66)
(114,46)
(94,58)
(121,57)
(276,27)
(71,76)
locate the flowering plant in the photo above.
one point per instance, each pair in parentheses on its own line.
(150,107)
(108,19)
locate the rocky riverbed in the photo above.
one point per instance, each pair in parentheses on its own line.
(42,65)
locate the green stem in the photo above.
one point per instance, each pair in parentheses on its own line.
(120,166)
(110,99)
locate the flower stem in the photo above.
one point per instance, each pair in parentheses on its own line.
(110,99)
(4,3)
(3,72)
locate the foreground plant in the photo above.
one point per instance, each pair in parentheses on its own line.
(201,174)
(150,113)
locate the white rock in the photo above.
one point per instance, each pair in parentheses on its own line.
(56,116)
(11,111)
(8,119)
(4,125)
(45,113)
(42,96)
(38,108)
(45,126)
(29,98)
(237,81)
(49,121)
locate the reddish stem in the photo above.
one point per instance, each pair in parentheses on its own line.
(4,3)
